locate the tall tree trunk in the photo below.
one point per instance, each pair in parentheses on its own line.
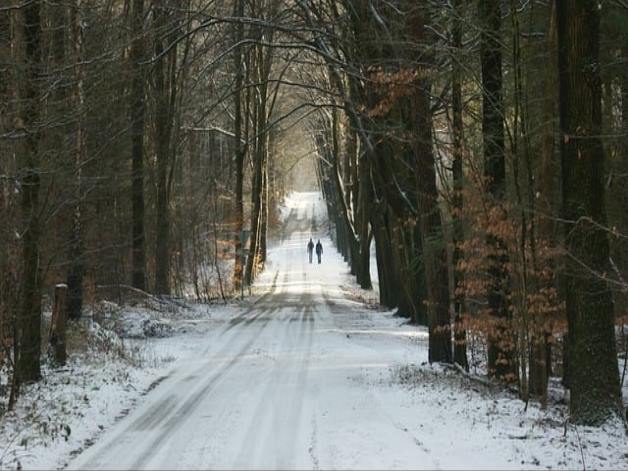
(362,208)
(256,190)
(238,10)
(500,358)
(432,240)
(137,113)
(358,167)
(344,157)
(74,298)
(262,63)
(386,274)
(6,85)
(29,333)
(547,177)
(429,217)
(407,261)
(265,213)
(348,241)
(593,371)
(460,334)
(163,129)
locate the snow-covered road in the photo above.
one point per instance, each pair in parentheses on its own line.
(279,385)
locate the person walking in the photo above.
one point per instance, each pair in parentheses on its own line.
(310,248)
(319,250)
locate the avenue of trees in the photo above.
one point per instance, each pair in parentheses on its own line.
(481,147)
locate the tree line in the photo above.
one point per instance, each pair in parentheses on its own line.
(134,149)
(481,146)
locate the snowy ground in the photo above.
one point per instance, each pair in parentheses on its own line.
(308,376)
(118,355)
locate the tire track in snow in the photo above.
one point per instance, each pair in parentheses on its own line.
(313,448)
(260,424)
(275,420)
(292,414)
(155,414)
(179,418)
(165,410)
(243,316)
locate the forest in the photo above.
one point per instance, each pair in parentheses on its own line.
(481,148)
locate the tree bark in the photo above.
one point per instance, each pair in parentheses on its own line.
(387,275)
(76,270)
(593,370)
(238,10)
(547,177)
(29,333)
(460,334)
(362,208)
(262,63)
(163,129)
(137,113)
(256,192)
(432,240)
(264,213)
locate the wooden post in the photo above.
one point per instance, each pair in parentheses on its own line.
(56,337)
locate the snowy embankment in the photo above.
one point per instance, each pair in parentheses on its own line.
(308,374)
(117,355)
